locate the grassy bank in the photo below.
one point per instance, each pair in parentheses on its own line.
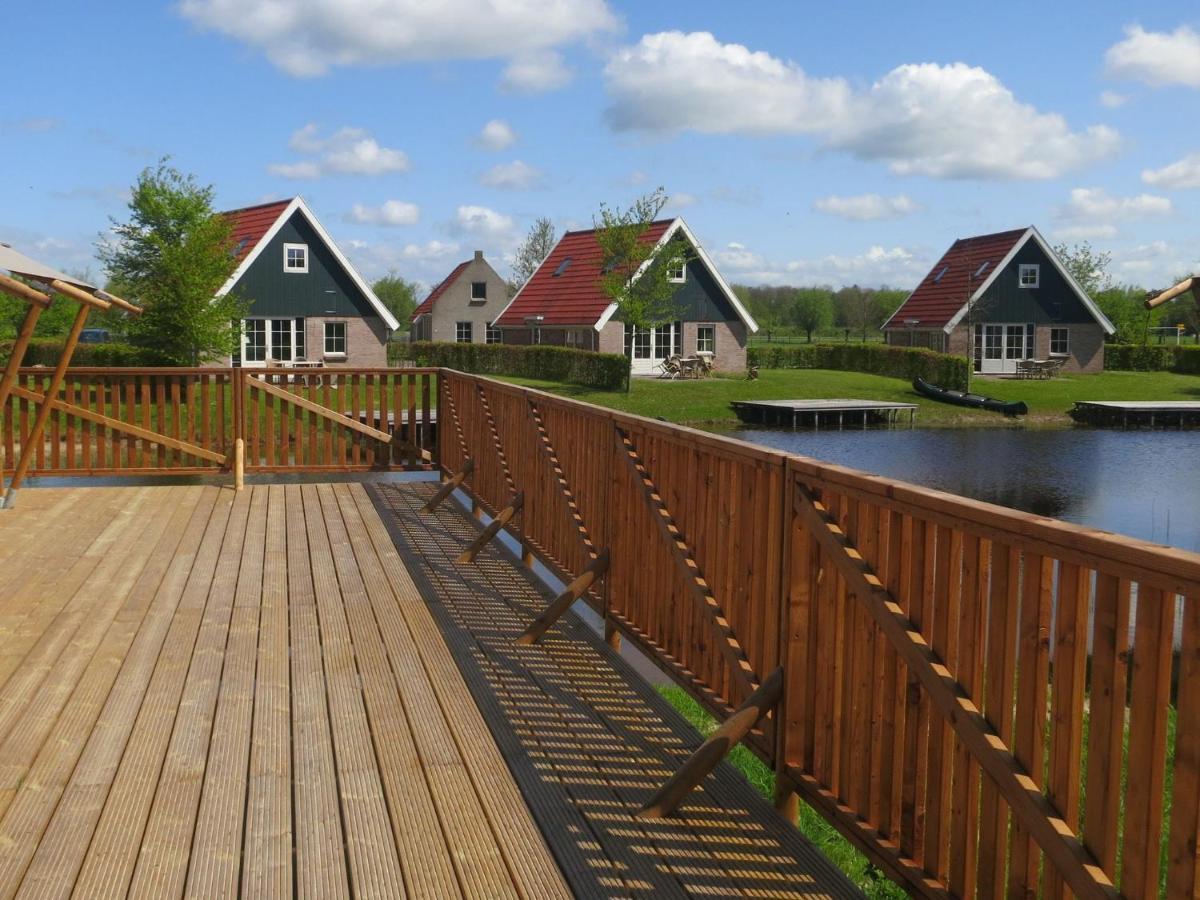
(706,402)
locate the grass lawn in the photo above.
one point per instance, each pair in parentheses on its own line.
(706,402)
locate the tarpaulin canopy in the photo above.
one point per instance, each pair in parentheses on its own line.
(20,264)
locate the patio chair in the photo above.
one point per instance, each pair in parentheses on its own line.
(1029,368)
(669,367)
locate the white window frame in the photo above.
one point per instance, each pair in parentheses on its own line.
(295,270)
(1066,341)
(458,329)
(493,335)
(1025,268)
(713,348)
(335,354)
(678,275)
(296,337)
(482,299)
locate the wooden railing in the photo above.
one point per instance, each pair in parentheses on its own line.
(979,699)
(185,421)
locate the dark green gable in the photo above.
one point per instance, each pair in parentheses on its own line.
(700,299)
(1052,301)
(326,289)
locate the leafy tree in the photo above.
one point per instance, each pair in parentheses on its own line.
(811,309)
(635,272)
(535,248)
(1087,266)
(172,256)
(398,295)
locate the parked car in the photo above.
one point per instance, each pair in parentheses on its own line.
(95,336)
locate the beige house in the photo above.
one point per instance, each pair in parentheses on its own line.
(462,307)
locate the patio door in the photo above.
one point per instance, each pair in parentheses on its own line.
(999,345)
(648,347)
(277,340)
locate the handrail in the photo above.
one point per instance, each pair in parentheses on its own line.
(935,650)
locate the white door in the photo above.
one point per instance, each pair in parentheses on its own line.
(279,340)
(650,346)
(1002,344)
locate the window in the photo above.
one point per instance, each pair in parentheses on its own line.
(1060,341)
(1014,346)
(478,290)
(940,275)
(295,258)
(254,336)
(578,337)
(662,341)
(493,335)
(562,267)
(335,338)
(706,338)
(979,272)
(281,340)
(463,332)
(637,341)
(677,272)
(299,340)
(1027,275)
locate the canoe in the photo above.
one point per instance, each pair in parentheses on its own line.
(961,398)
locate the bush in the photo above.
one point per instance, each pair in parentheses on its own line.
(941,369)
(605,371)
(46,352)
(1152,358)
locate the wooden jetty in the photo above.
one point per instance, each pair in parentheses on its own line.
(1135,413)
(823,413)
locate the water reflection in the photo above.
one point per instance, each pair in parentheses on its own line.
(1140,483)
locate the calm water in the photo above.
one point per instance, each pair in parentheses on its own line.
(1141,483)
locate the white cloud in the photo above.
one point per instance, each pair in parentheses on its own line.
(1157,58)
(533,73)
(738,256)
(392,212)
(866,207)
(1183,173)
(1096,206)
(681,200)
(945,121)
(874,267)
(483,222)
(347,151)
(496,135)
(1086,232)
(515,176)
(1156,264)
(426,262)
(308,37)
(1112,99)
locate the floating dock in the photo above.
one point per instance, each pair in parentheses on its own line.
(823,413)
(1135,413)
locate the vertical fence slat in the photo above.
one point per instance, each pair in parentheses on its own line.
(1183,855)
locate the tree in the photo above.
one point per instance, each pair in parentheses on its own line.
(811,309)
(398,295)
(535,248)
(636,273)
(1087,267)
(172,257)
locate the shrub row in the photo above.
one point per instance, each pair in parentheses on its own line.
(46,352)
(605,371)
(1152,358)
(877,359)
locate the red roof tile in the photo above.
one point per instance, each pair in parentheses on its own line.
(426,305)
(937,299)
(251,223)
(574,296)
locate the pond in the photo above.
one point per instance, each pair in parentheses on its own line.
(1141,483)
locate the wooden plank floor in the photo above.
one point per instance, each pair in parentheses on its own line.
(210,694)
(588,741)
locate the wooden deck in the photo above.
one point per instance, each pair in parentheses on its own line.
(209,693)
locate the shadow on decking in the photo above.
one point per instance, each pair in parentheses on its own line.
(587,740)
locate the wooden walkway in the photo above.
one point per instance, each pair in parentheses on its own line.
(209,694)
(589,741)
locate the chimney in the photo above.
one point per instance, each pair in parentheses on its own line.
(478,256)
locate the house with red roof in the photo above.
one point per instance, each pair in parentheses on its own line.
(461,307)
(1001,298)
(562,303)
(307,302)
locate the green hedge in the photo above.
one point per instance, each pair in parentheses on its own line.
(605,371)
(1152,358)
(46,352)
(877,359)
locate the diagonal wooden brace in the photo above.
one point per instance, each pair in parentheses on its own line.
(492,529)
(668,797)
(450,486)
(573,591)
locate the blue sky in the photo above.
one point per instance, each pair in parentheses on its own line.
(804,143)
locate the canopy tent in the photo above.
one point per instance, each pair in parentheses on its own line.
(49,279)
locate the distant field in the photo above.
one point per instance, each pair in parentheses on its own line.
(706,402)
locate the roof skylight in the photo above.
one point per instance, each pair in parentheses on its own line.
(562,267)
(938,276)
